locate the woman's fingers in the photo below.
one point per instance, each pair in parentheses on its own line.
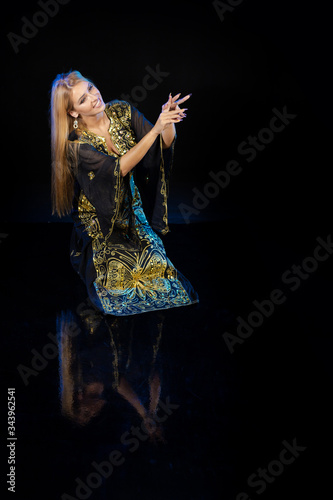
(180,101)
(174,99)
(169,116)
(175,112)
(169,103)
(173,116)
(173,102)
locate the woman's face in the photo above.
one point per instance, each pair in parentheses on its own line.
(87,100)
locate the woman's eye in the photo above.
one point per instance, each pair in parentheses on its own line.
(90,86)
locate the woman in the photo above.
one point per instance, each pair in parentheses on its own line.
(110,169)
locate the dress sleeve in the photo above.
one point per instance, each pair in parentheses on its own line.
(99,177)
(152,174)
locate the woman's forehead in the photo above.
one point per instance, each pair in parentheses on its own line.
(79,89)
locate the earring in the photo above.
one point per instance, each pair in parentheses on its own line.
(76,123)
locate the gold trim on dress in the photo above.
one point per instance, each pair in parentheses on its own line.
(129,279)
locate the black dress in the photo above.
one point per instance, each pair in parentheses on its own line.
(114,248)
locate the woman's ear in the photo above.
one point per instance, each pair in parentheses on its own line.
(74,114)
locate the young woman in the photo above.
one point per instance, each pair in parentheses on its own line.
(110,170)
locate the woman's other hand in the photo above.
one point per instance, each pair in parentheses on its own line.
(171,113)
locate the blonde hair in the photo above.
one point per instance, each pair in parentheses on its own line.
(64,153)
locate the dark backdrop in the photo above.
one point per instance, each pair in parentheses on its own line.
(239,65)
(265,55)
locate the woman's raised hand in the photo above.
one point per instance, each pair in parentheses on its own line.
(173,103)
(171,113)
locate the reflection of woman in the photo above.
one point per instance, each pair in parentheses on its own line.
(100,354)
(81,389)
(103,154)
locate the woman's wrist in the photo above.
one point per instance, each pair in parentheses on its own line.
(154,132)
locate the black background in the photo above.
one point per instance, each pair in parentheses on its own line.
(263,55)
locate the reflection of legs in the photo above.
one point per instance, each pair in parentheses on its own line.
(121,335)
(130,395)
(121,332)
(153,427)
(150,426)
(151,324)
(154,392)
(154,378)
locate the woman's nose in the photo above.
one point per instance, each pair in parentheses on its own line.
(94,95)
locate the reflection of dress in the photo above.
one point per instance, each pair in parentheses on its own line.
(101,354)
(114,249)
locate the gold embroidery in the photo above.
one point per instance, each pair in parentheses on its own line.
(88,216)
(164,192)
(129,280)
(91,175)
(120,131)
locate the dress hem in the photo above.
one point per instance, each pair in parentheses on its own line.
(152,310)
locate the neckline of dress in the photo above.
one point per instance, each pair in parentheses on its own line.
(103,138)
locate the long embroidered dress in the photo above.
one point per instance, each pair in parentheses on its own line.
(114,249)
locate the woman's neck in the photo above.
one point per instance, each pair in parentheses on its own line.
(97,122)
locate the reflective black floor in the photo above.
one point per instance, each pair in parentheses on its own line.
(186,404)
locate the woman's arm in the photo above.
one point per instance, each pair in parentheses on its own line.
(135,154)
(169,132)
(168,135)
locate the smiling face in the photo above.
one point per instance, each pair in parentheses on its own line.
(87,100)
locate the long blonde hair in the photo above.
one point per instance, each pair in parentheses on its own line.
(63,154)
